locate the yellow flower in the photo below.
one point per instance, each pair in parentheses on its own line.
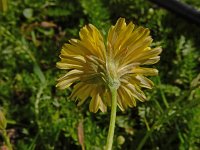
(93,67)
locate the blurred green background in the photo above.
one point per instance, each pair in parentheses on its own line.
(40,117)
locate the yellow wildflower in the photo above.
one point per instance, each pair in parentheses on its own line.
(93,66)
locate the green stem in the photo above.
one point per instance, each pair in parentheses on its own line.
(7,140)
(162,94)
(112,118)
(3,5)
(142,142)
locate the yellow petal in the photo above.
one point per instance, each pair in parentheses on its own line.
(138,34)
(123,36)
(102,106)
(70,74)
(82,46)
(114,32)
(145,71)
(129,96)
(95,101)
(73,50)
(119,103)
(106,97)
(151,61)
(128,99)
(76,59)
(136,92)
(144,82)
(92,40)
(81,90)
(64,65)
(137,50)
(71,62)
(66,83)
(121,100)
(148,56)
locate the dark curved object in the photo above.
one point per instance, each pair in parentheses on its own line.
(180,9)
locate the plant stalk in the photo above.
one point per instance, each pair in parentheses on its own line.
(112,118)
(6,140)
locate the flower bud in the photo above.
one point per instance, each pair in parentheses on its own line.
(120,140)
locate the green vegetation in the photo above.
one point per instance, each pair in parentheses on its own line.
(41,117)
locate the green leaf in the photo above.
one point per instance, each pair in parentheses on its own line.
(39,73)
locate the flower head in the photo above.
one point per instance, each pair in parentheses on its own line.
(93,67)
